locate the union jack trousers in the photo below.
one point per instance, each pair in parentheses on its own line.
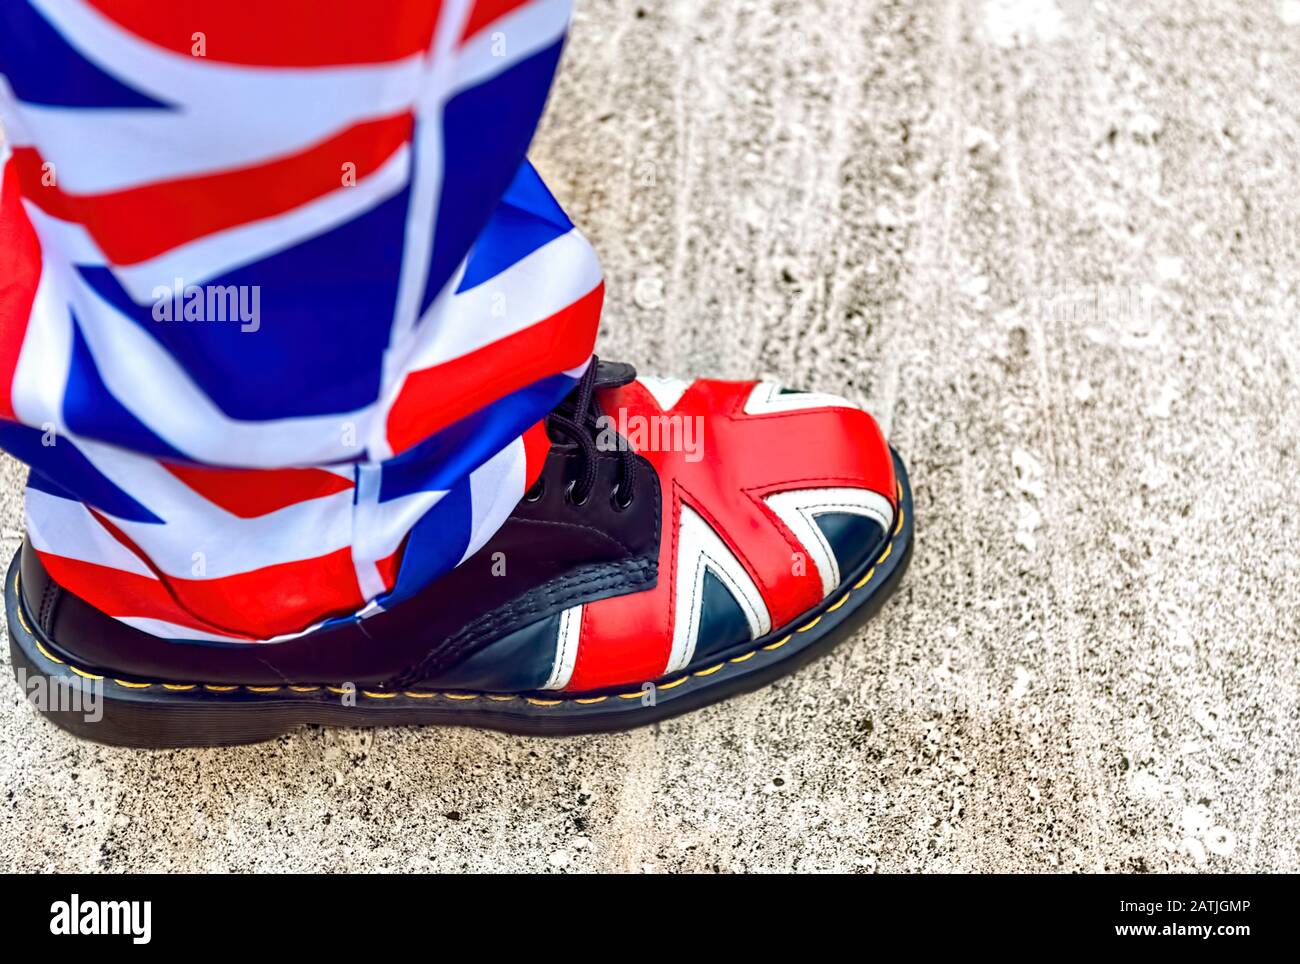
(282,303)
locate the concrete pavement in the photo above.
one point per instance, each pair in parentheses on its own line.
(1055,245)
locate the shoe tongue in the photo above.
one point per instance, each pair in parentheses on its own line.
(613,374)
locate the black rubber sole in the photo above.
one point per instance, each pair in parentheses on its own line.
(149,713)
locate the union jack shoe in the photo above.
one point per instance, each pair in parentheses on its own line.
(682,543)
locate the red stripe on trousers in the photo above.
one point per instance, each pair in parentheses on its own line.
(284,33)
(486,12)
(120,593)
(140,223)
(283,598)
(18,281)
(536,446)
(388,565)
(249,493)
(433,398)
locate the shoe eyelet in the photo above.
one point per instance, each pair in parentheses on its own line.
(570,498)
(536,491)
(619,504)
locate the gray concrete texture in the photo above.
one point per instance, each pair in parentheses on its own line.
(1055,246)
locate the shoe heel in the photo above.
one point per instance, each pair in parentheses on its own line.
(87,709)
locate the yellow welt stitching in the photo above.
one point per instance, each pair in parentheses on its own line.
(865,579)
(45,652)
(843,600)
(495,697)
(23,619)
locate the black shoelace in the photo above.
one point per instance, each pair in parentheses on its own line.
(578,419)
